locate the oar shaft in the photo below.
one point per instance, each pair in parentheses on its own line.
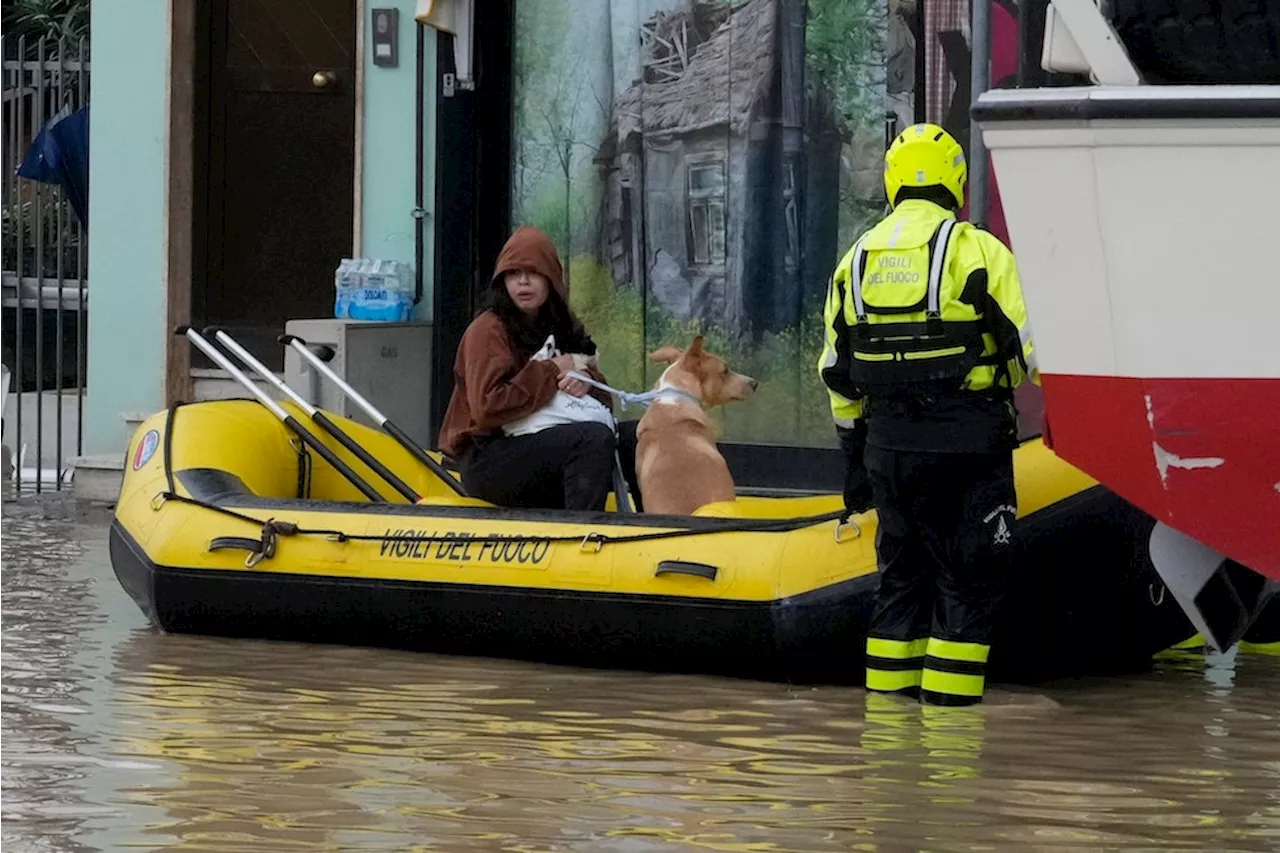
(319,417)
(406,441)
(405,490)
(289,421)
(300,346)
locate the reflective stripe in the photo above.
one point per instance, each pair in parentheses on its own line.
(855,281)
(889,680)
(952,683)
(833,308)
(954,650)
(845,423)
(897,232)
(1272,648)
(896,649)
(934,305)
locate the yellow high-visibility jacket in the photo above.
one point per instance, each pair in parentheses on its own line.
(923,300)
(924,304)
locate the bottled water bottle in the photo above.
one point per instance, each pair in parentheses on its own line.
(345,281)
(371,289)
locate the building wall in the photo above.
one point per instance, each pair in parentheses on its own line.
(387,183)
(127,250)
(127,213)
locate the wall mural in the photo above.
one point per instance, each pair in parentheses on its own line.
(703,164)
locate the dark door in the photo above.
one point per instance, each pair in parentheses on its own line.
(473,185)
(278,195)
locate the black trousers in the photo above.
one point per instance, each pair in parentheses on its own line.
(946,523)
(563,467)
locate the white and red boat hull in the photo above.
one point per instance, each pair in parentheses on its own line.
(1199,454)
(1148,239)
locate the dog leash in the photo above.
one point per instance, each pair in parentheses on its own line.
(628,398)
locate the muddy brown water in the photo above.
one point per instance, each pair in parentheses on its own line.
(116,737)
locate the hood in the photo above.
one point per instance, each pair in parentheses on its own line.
(530,249)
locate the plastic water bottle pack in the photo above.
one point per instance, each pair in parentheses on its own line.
(372,289)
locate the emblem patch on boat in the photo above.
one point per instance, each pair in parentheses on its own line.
(146,449)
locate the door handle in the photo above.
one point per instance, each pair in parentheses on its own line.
(323,79)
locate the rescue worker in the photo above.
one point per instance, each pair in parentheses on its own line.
(926,337)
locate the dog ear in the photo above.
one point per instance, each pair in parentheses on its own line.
(665,355)
(695,348)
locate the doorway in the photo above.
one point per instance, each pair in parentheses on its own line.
(473,186)
(275,164)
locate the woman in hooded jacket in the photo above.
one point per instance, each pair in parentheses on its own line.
(497,382)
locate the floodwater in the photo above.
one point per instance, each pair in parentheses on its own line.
(118,738)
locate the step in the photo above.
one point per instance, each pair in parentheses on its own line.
(98,477)
(217,384)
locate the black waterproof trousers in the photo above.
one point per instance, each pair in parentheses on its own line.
(946,524)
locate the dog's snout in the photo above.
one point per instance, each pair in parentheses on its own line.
(754,383)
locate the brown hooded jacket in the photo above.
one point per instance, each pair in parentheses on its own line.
(493,383)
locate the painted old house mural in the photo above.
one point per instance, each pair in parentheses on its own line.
(703,164)
(704,206)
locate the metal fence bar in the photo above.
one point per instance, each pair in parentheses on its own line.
(45,270)
(19,228)
(8,141)
(81,264)
(57,347)
(41,94)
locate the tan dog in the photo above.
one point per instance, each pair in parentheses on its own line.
(677,464)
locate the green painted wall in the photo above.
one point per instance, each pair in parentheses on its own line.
(127,252)
(387,185)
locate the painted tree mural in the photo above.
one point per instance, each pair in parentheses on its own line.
(702,165)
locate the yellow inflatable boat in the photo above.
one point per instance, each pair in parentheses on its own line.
(227,525)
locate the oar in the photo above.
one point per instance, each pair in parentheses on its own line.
(320,418)
(289,420)
(394,431)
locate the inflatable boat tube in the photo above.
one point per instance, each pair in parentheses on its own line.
(226,525)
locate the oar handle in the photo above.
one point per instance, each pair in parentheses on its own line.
(301,346)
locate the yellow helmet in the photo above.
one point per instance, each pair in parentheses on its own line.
(925,155)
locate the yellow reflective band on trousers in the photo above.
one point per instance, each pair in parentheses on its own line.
(951,683)
(894,665)
(896,649)
(954,670)
(891,681)
(953,650)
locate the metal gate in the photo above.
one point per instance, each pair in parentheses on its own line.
(45,258)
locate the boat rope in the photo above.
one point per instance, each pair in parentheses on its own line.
(271,529)
(628,398)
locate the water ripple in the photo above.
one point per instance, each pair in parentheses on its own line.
(118,737)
